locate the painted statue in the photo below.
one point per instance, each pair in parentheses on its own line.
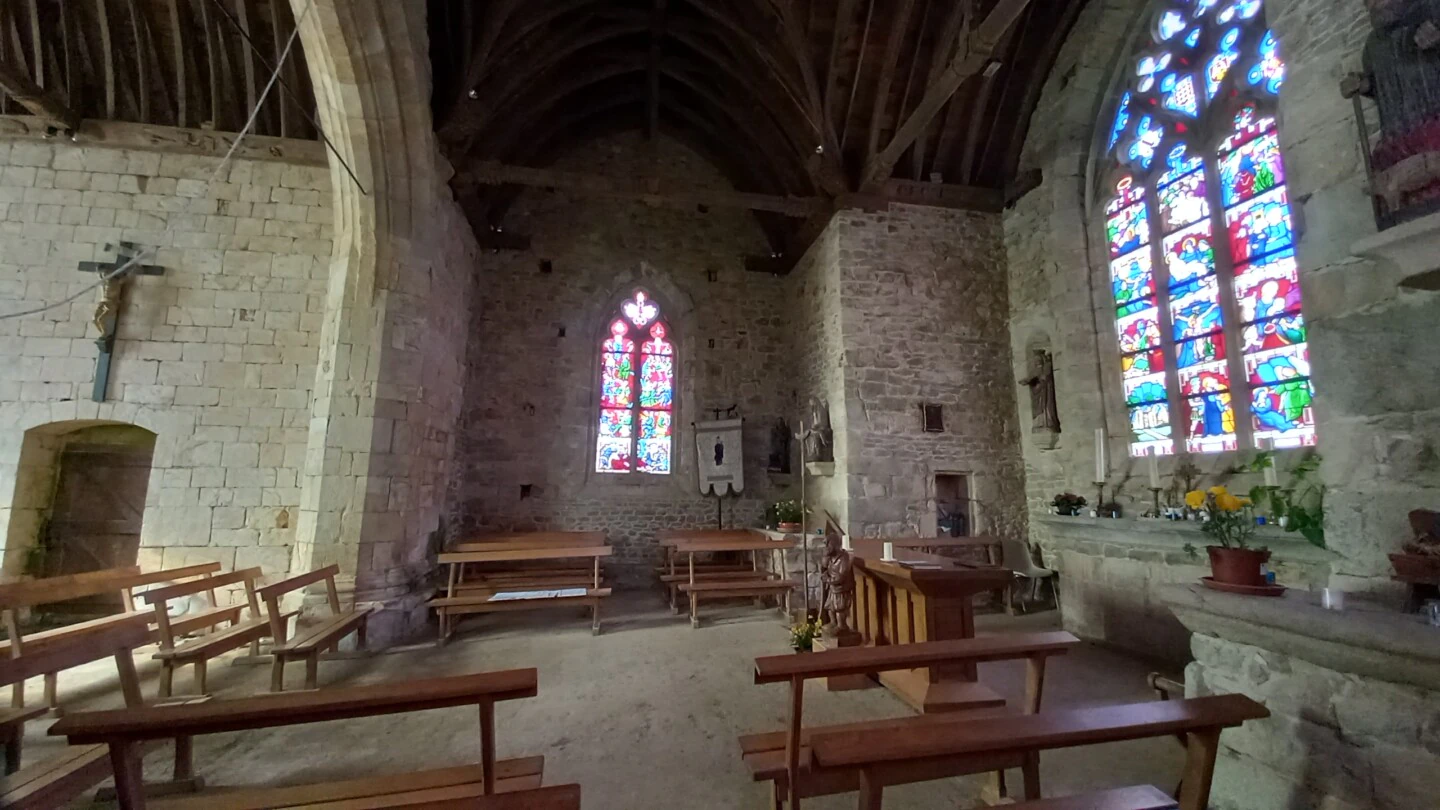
(837,575)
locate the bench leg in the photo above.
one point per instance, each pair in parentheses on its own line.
(184,758)
(200,674)
(129,780)
(362,634)
(14,734)
(312,670)
(694,610)
(871,791)
(277,674)
(17,695)
(1030,772)
(595,618)
(1200,753)
(52,690)
(167,679)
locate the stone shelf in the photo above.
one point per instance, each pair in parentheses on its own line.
(1363,639)
(1411,248)
(1164,540)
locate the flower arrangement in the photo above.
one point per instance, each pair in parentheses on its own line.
(802,636)
(785,513)
(1229,521)
(1068,503)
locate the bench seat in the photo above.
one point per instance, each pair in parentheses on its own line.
(1139,797)
(511,775)
(744,587)
(324,634)
(212,644)
(308,643)
(55,781)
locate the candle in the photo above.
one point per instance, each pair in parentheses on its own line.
(889,551)
(1101,468)
(845,542)
(1154,464)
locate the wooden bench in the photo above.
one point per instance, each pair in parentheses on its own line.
(782,757)
(673,582)
(59,780)
(512,590)
(756,585)
(32,593)
(198,652)
(125,730)
(759,583)
(309,642)
(913,753)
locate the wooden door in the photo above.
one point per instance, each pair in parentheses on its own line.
(95,520)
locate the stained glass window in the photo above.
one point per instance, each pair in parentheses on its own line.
(1201,244)
(637,391)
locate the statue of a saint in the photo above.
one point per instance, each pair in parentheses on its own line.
(837,575)
(819,439)
(1044,418)
(779,446)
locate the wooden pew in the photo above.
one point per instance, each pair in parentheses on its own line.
(58,781)
(903,754)
(758,583)
(308,643)
(782,757)
(124,731)
(199,651)
(508,591)
(31,593)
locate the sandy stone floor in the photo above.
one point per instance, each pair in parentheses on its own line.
(644,716)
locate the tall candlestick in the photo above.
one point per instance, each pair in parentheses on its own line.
(1154,464)
(1101,468)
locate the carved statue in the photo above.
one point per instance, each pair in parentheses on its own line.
(837,575)
(108,307)
(1043,415)
(1401,64)
(819,439)
(780,446)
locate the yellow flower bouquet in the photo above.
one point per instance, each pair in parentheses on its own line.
(1230,521)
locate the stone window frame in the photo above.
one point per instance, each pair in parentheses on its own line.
(1205,135)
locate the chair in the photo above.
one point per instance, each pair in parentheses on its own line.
(1015,555)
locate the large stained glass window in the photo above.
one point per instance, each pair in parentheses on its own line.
(637,391)
(1201,241)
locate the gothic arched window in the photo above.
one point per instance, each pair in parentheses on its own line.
(637,391)
(1200,240)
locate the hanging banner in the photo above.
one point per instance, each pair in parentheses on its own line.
(721,458)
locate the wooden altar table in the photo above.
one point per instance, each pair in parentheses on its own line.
(923,597)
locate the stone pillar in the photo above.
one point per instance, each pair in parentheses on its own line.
(378,435)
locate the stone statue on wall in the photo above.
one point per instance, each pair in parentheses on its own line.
(780,446)
(837,576)
(819,439)
(1044,416)
(1401,64)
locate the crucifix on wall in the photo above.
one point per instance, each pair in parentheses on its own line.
(107,312)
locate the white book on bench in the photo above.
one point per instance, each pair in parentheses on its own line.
(552,594)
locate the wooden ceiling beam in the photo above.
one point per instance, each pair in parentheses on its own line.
(657,37)
(901,25)
(945,45)
(984,38)
(36,99)
(652,191)
(844,12)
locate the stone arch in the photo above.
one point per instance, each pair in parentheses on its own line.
(35,471)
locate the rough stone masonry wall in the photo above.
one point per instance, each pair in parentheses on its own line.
(216,356)
(531,397)
(1375,404)
(923,297)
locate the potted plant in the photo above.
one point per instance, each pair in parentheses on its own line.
(802,636)
(1068,503)
(787,515)
(1298,507)
(1230,523)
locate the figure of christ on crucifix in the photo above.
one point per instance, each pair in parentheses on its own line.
(107,312)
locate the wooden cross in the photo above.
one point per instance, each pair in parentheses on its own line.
(107,313)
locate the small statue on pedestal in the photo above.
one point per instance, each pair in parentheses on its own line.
(837,575)
(1044,416)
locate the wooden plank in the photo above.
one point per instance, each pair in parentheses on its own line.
(1138,797)
(32,642)
(332,630)
(31,592)
(525,554)
(295,708)
(745,588)
(156,595)
(247,59)
(521,545)
(297,582)
(984,38)
(54,658)
(140,55)
(37,42)
(212,55)
(177,52)
(900,23)
(479,600)
(165,575)
(865,660)
(568,538)
(56,781)
(1050,730)
(471,797)
(698,546)
(213,644)
(107,56)
(523,772)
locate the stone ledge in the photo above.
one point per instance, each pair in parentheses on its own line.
(1411,248)
(1361,640)
(1163,540)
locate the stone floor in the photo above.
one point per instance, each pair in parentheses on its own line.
(643,716)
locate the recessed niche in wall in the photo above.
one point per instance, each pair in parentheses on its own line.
(546,267)
(932,418)
(526,490)
(953,509)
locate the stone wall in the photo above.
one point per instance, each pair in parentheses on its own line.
(531,399)
(1375,407)
(818,339)
(216,356)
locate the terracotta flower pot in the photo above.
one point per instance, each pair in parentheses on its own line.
(1237,566)
(788,527)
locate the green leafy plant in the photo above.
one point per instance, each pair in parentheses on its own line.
(1301,501)
(785,512)
(1068,502)
(802,636)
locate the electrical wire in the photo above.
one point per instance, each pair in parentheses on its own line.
(215,175)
